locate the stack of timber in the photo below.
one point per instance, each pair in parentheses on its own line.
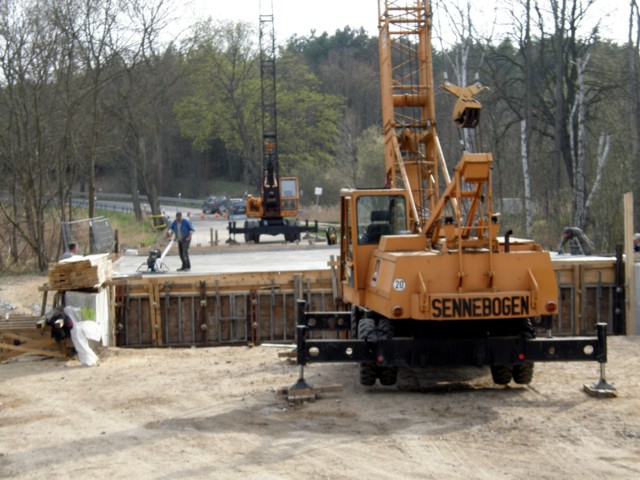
(21,335)
(79,272)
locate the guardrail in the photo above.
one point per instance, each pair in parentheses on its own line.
(127,197)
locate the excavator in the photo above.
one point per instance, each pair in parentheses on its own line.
(425,277)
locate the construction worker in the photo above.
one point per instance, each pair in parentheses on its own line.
(576,238)
(182,229)
(73,250)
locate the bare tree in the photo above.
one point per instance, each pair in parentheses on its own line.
(578,151)
(139,102)
(30,61)
(460,21)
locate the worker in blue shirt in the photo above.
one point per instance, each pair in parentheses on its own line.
(182,229)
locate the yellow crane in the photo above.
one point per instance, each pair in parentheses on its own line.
(425,277)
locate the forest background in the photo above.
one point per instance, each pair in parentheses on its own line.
(101,96)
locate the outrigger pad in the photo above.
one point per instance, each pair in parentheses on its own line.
(301,392)
(600,390)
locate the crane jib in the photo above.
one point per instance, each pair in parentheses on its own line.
(480,307)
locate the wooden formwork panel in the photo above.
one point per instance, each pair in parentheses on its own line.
(136,326)
(228,320)
(216,310)
(587,295)
(276,312)
(598,307)
(180,324)
(21,334)
(261,307)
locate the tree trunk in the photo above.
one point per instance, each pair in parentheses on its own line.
(634,92)
(578,154)
(527,181)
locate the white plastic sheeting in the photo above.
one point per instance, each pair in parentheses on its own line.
(94,307)
(81,333)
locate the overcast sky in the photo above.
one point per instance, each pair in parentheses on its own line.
(302,16)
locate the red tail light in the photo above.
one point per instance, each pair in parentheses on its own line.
(551,307)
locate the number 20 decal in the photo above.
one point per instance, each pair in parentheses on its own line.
(399,285)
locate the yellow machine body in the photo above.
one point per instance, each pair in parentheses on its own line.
(399,275)
(289,198)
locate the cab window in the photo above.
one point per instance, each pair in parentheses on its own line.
(380,215)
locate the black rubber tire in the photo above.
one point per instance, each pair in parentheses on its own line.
(501,374)
(388,375)
(356,315)
(247,232)
(368,371)
(368,374)
(523,374)
(385,328)
(366,327)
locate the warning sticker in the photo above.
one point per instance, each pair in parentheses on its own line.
(374,280)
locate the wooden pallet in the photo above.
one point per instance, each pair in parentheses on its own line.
(20,335)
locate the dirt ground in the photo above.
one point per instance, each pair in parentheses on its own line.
(20,293)
(216,413)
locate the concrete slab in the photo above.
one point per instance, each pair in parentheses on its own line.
(242,258)
(212,252)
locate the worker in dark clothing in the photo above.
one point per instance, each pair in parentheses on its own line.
(182,229)
(73,251)
(636,242)
(578,241)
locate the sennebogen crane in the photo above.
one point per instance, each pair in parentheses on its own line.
(425,277)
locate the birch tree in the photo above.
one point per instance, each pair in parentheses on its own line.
(578,150)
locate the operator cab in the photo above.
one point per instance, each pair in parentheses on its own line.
(367,216)
(379,215)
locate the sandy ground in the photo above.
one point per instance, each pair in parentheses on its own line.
(19,294)
(216,413)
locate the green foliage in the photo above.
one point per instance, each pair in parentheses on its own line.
(221,186)
(224,97)
(370,156)
(317,49)
(307,124)
(131,231)
(188,119)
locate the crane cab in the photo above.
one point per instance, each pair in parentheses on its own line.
(366,217)
(280,199)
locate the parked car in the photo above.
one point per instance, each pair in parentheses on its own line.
(216,204)
(238,207)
